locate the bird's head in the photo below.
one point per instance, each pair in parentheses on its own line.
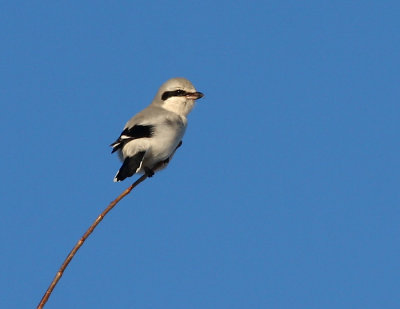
(178,95)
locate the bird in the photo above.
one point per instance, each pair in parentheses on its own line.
(151,137)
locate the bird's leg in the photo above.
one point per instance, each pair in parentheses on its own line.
(166,161)
(149,172)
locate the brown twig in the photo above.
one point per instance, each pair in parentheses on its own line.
(82,240)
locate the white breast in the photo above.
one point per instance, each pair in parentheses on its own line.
(164,141)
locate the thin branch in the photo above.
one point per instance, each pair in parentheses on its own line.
(82,240)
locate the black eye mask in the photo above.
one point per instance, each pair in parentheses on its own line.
(175,93)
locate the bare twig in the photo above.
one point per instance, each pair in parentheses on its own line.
(82,240)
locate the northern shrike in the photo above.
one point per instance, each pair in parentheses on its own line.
(150,138)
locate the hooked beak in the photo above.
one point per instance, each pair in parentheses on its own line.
(194,95)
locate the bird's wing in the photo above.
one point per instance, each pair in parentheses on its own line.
(131,133)
(142,125)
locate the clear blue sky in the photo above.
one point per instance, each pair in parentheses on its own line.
(285,193)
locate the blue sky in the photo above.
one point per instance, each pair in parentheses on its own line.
(285,193)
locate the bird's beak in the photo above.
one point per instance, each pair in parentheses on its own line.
(194,95)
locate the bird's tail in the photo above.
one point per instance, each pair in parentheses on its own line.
(130,166)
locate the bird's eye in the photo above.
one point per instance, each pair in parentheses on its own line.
(175,93)
(180,93)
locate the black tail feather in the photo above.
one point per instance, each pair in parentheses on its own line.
(130,166)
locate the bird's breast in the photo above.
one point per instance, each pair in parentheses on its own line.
(164,141)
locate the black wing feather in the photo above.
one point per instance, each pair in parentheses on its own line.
(129,134)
